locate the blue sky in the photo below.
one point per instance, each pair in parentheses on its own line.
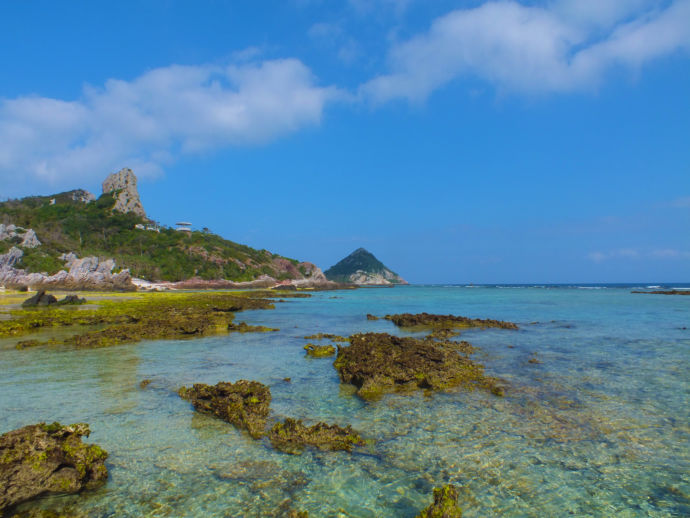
(465,141)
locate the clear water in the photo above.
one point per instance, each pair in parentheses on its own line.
(600,428)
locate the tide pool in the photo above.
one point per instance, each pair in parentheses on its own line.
(601,427)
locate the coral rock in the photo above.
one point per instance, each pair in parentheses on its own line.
(244,404)
(42,459)
(445,504)
(291,436)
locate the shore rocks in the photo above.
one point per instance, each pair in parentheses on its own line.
(319,351)
(123,185)
(446,321)
(43,459)
(27,236)
(291,436)
(244,403)
(445,504)
(89,273)
(379,362)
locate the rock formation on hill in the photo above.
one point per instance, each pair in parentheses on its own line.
(123,185)
(361,267)
(88,273)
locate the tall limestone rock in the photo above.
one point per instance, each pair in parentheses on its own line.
(124,185)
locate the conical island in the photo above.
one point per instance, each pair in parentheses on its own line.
(361,267)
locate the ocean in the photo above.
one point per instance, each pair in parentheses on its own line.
(600,427)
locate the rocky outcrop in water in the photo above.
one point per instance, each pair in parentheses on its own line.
(319,351)
(445,504)
(244,403)
(43,459)
(123,185)
(446,321)
(291,436)
(379,362)
(89,273)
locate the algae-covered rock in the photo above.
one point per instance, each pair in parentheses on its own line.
(446,321)
(379,362)
(319,351)
(292,436)
(372,317)
(244,403)
(43,459)
(445,504)
(326,336)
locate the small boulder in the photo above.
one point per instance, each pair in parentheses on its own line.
(372,317)
(244,403)
(45,459)
(40,299)
(71,300)
(291,436)
(445,504)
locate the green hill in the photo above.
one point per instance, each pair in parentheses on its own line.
(361,267)
(66,223)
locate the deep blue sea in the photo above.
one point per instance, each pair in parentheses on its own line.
(601,427)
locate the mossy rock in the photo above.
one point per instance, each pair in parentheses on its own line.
(445,504)
(319,351)
(410,320)
(245,404)
(377,363)
(45,459)
(291,436)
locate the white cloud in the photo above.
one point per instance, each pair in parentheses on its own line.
(556,48)
(150,121)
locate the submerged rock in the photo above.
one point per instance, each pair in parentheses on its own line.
(446,321)
(43,459)
(445,504)
(244,403)
(380,362)
(319,351)
(291,436)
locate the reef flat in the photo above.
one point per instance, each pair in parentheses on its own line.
(136,317)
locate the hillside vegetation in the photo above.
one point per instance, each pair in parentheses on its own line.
(71,225)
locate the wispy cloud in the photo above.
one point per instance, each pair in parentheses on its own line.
(565,46)
(631,253)
(150,121)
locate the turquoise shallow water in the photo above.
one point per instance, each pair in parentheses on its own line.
(600,428)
